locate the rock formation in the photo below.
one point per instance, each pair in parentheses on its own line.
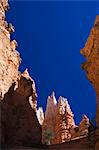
(59,125)
(48,126)
(64,121)
(40,115)
(9,56)
(82,129)
(84,125)
(21,122)
(33,96)
(91,66)
(19,125)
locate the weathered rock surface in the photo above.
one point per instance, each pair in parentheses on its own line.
(59,125)
(40,115)
(64,121)
(82,129)
(48,127)
(9,56)
(91,66)
(19,125)
(33,96)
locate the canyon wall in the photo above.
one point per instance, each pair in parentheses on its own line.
(91,66)
(91,139)
(19,125)
(9,56)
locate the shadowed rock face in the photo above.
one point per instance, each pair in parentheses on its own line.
(19,124)
(33,96)
(91,66)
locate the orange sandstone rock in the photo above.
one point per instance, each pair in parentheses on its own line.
(9,56)
(59,125)
(91,66)
(64,121)
(19,125)
(48,126)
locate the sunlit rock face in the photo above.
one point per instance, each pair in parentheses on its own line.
(48,126)
(9,56)
(82,130)
(64,121)
(91,66)
(40,115)
(84,125)
(19,125)
(59,125)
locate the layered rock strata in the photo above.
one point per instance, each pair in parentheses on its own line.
(64,121)
(91,66)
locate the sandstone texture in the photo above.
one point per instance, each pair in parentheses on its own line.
(48,126)
(40,115)
(91,66)
(9,56)
(59,125)
(19,125)
(64,121)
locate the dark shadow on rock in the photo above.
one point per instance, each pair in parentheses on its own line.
(19,124)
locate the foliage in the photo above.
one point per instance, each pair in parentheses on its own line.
(48,135)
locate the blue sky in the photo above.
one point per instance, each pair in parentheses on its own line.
(50,36)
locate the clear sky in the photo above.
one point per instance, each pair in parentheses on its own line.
(50,36)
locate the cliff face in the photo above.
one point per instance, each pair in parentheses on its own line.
(19,125)
(33,96)
(91,66)
(59,125)
(9,56)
